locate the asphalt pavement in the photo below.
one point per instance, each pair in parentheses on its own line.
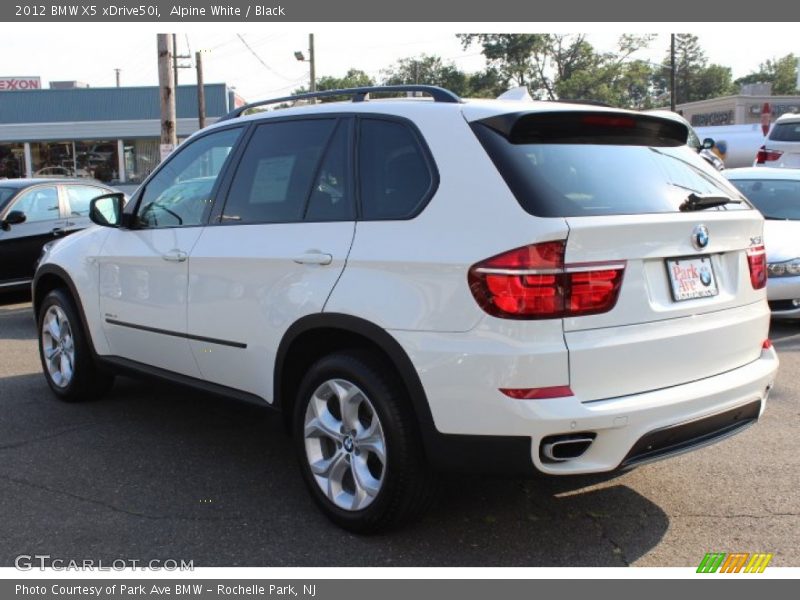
(159,472)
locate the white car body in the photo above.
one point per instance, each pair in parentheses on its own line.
(781,149)
(233,295)
(781,238)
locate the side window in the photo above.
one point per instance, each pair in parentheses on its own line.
(39,204)
(180,193)
(394,176)
(79,197)
(331,197)
(278,170)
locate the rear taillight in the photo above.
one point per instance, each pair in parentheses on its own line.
(757,261)
(765,155)
(533,282)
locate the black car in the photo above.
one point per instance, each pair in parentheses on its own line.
(34,212)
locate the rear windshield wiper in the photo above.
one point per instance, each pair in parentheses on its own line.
(702,201)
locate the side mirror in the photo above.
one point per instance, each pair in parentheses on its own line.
(708,143)
(106,210)
(15,217)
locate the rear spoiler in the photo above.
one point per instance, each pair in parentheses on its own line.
(588,127)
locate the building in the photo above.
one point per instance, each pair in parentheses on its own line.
(110,134)
(742,109)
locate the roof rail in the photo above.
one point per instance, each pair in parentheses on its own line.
(358,94)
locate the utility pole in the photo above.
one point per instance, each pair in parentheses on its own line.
(166,81)
(313,84)
(672,72)
(117,71)
(201,92)
(175,58)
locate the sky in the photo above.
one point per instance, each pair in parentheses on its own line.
(92,52)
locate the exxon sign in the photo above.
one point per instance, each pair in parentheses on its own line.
(8,84)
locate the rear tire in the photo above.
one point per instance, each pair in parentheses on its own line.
(358,444)
(65,353)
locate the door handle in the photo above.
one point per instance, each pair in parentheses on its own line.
(314,257)
(175,256)
(57,231)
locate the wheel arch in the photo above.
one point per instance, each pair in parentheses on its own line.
(313,336)
(49,277)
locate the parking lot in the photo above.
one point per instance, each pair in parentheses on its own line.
(160,472)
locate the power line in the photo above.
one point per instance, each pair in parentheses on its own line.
(258,58)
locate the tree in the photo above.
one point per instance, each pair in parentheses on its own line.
(510,55)
(428,70)
(353,78)
(695,79)
(556,66)
(780,72)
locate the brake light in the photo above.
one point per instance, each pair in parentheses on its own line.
(533,282)
(765,155)
(757,261)
(609,121)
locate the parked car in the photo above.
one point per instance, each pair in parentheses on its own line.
(782,147)
(34,212)
(776,193)
(61,173)
(429,284)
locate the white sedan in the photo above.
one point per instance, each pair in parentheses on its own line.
(776,193)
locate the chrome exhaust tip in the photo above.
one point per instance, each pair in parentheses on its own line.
(561,448)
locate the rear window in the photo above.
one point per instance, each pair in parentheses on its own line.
(786,132)
(774,198)
(590,167)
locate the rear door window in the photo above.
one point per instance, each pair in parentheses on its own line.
(79,198)
(395,175)
(786,132)
(278,171)
(568,165)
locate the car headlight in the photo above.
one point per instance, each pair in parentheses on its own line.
(787,268)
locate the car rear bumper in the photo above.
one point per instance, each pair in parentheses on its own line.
(491,431)
(781,291)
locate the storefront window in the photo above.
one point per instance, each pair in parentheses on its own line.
(12,160)
(84,159)
(141,157)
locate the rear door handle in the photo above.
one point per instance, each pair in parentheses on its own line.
(57,231)
(314,258)
(175,256)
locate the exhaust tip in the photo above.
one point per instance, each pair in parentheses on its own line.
(561,448)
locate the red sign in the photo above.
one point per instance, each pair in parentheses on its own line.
(8,84)
(766,114)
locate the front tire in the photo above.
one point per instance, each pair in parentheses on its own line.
(64,351)
(358,444)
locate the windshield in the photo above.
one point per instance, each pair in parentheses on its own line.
(590,179)
(774,198)
(5,195)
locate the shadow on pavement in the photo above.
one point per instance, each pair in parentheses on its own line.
(156,471)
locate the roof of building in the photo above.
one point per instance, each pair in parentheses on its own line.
(107,104)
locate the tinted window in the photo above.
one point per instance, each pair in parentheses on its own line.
(774,198)
(394,176)
(786,132)
(79,197)
(180,193)
(5,194)
(39,204)
(609,177)
(277,171)
(331,196)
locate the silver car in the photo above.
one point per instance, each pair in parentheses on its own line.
(776,193)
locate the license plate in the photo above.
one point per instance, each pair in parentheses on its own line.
(691,278)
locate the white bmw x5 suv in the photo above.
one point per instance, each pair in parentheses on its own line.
(429,284)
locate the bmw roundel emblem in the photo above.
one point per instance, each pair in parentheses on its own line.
(700,237)
(705,277)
